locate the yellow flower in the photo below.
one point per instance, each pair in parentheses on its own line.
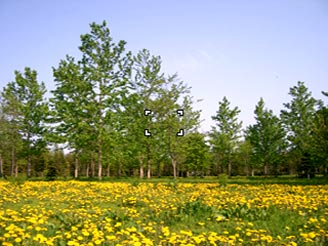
(98,241)
(110,238)
(18,240)
(187,233)
(72,243)
(118,224)
(7,244)
(220,218)
(312,234)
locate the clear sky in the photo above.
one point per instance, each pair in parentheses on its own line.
(243,50)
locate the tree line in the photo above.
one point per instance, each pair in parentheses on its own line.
(93,123)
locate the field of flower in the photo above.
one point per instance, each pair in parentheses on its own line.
(91,213)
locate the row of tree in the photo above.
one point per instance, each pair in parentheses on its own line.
(93,123)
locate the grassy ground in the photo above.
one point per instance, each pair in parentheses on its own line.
(222,179)
(190,211)
(256,180)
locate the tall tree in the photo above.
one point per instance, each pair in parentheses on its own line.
(11,142)
(169,122)
(244,157)
(71,112)
(107,68)
(101,77)
(319,144)
(297,118)
(267,138)
(226,134)
(195,153)
(162,95)
(147,83)
(25,97)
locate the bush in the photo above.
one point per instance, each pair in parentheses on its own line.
(223,179)
(51,173)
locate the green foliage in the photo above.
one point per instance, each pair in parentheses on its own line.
(223,179)
(196,152)
(298,116)
(319,140)
(267,138)
(97,113)
(51,171)
(145,89)
(224,138)
(298,120)
(90,92)
(25,108)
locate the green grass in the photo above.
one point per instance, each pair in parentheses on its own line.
(202,206)
(221,179)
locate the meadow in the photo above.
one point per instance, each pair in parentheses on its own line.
(162,213)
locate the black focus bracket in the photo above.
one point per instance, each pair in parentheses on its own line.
(180,113)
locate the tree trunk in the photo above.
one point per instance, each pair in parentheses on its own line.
(100,133)
(265,170)
(148,161)
(16,170)
(29,166)
(246,169)
(108,171)
(149,169)
(229,169)
(100,161)
(13,162)
(253,171)
(141,172)
(29,157)
(119,170)
(174,165)
(92,168)
(67,170)
(87,170)
(76,171)
(159,169)
(1,166)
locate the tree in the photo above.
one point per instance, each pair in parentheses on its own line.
(107,69)
(100,79)
(298,119)
(169,122)
(147,83)
(244,156)
(267,138)
(24,99)
(319,143)
(196,153)
(72,114)
(224,137)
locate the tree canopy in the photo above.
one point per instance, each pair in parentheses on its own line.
(116,113)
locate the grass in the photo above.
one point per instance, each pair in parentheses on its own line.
(222,179)
(188,211)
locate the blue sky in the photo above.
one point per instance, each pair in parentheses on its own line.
(243,50)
